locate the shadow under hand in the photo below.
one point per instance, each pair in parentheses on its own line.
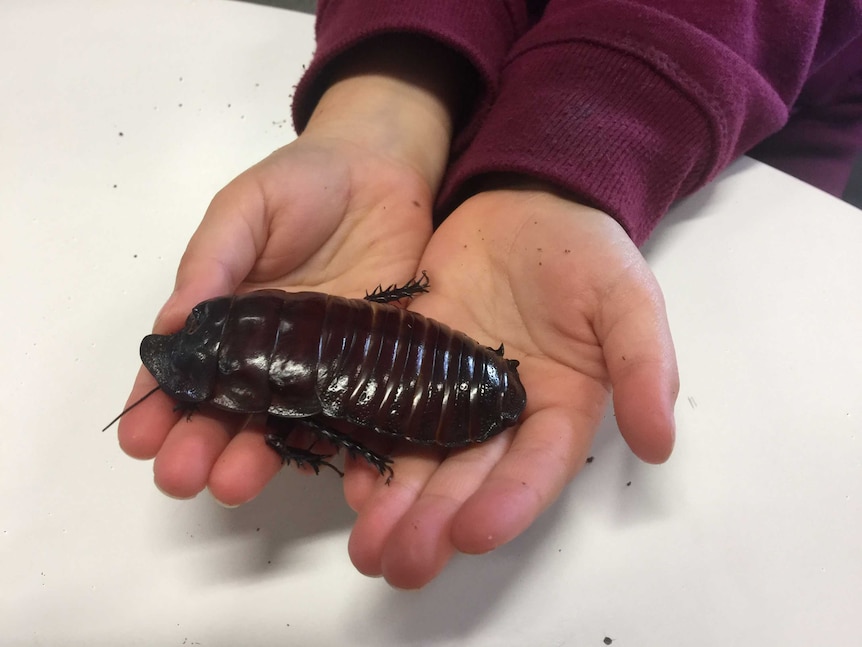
(461,599)
(613,491)
(265,537)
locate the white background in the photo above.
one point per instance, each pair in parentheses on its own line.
(118,123)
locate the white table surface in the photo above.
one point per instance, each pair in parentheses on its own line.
(120,120)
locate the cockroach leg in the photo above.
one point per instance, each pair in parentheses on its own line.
(395,293)
(288,453)
(383,464)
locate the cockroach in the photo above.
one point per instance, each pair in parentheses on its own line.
(309,358)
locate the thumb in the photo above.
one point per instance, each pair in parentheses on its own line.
(641,362)
(219,255)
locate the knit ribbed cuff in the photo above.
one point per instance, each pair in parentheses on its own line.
(481,31)
(598,122)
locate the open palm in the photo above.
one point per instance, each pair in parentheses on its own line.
(319,214)
(566,291)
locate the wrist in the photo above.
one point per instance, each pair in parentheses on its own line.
(399,96)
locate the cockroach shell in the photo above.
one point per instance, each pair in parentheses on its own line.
(185,364)
(315,358)
(320,357)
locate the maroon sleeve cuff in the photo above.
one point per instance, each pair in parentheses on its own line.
(823,138)
(624,107)
(611,148)
(482,31)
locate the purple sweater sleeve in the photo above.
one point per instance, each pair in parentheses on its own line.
(482,31)
(823,137)
(627,104)
(630,105)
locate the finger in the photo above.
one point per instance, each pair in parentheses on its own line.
(185,460)
(360,482)
(644,398)
(219,255)
(244,468)
(641,361)
(143,429)
(549,448)
(386,506)
(420,543)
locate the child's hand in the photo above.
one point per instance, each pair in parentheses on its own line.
(343,208)
(570,296)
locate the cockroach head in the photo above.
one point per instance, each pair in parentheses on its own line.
(185,364)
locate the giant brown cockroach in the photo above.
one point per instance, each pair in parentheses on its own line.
(312,358)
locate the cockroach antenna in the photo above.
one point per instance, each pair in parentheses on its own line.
(130,407)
